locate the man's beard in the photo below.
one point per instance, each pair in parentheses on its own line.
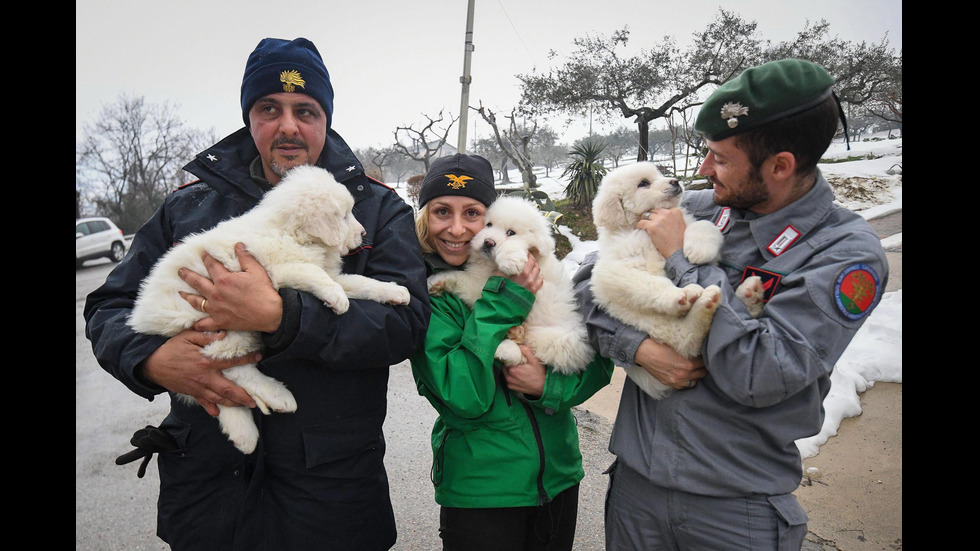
(752,192)
(280,169)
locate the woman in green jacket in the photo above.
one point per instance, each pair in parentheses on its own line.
(506,467)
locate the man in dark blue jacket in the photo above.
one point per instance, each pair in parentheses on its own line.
(317,480)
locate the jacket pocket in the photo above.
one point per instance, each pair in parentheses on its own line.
(793,519)
(347,449)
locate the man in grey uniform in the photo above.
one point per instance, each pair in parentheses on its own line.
(714,465)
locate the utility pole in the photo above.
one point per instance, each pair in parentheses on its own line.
(464,102)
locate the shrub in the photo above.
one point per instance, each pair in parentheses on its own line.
(585,172)
(414,187)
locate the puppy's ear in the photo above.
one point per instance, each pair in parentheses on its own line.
(320,212)
(328,226)
(607,209)
(543,245)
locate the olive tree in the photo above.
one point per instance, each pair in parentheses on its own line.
(600,74)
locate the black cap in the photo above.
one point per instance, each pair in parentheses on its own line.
(459,174)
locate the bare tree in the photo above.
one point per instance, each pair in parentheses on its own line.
(132,157)
(377,159)
(685,139)
(425,143)
(515,142)
(489,149)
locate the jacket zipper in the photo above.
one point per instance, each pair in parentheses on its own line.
(542,495)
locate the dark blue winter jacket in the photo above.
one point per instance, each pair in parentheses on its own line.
(317,480)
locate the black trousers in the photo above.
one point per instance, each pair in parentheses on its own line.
(548,527)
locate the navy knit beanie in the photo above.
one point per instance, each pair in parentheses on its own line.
(278,65)
(459,174)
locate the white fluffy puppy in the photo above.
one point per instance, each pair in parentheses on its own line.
(553,328)
(298,232)
(628,279)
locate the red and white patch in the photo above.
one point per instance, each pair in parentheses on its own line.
(723,218)
(784,240)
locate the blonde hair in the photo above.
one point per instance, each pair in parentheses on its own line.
(422,229)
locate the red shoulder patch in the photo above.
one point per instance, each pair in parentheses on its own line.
(856,290)
(187,184)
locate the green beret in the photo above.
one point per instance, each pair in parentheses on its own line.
(763,94)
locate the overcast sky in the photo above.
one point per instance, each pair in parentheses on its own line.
(390,61)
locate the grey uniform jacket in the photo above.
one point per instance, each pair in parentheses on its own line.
(734,433)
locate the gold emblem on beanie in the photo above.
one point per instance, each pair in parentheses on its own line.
(290,80)
(731,112)
(457,182)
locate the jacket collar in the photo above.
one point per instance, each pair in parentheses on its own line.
(226,165)
(777,231)
(435,264)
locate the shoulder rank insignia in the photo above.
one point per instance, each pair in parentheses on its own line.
(783,241)
(723,218)
(856,290)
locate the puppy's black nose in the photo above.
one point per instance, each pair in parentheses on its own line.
(489,244)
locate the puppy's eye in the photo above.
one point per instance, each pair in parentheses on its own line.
(489,224)
(511,232)
(643,183)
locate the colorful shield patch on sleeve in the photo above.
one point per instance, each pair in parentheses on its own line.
(856,290)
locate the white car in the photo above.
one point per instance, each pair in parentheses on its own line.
(97,238)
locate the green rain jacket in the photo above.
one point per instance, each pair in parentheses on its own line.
(490,447)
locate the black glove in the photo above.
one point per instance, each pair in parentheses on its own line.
(148,441)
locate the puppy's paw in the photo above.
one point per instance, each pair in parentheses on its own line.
(392,293)
(702,243)
(710,297)
(509,353)
(238,425)
(275,398)
(686,297)
(336,299)
(752,293)
(436,285)
(511,264)
(517,333)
